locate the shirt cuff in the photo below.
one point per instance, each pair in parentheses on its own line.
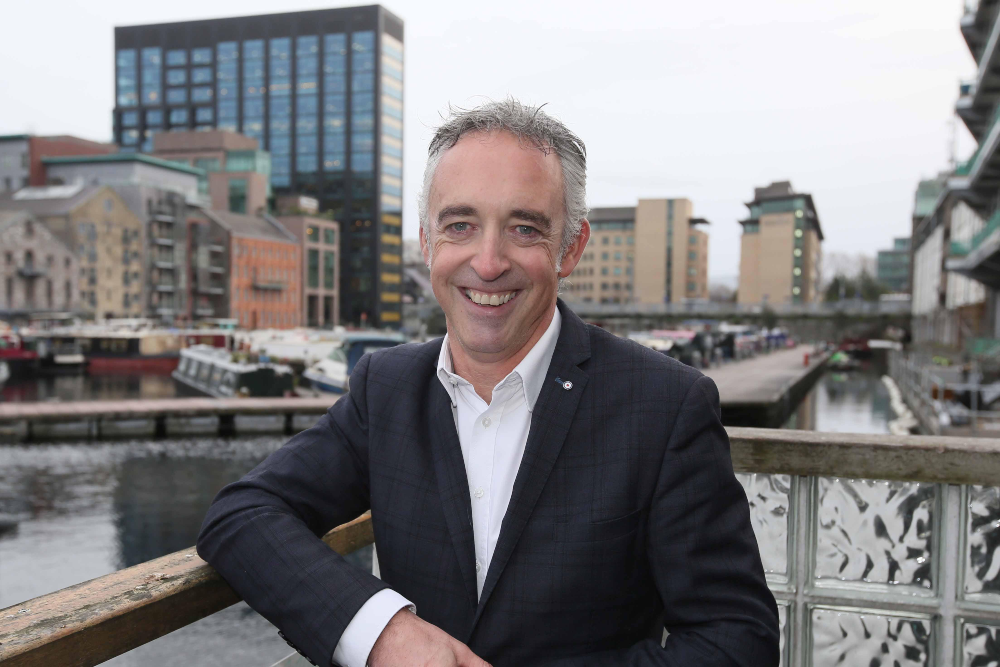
(366,627)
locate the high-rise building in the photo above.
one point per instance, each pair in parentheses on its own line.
(21,157)
(780,250)
(893,268)
(649,253)
(321,90)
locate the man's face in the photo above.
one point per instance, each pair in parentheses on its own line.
(496,218)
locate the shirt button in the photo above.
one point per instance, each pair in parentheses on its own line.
(453,381)
(486,422)
(479,568)
(480,492)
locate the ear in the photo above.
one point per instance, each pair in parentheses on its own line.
(575,251)
(424,247)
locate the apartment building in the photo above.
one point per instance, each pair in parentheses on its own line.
(38,270)
(780,250)
(319,240)
(654,252)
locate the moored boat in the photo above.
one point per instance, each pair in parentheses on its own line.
(214,371)
(331,375)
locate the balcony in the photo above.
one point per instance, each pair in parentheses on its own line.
(977,99)
(31,271)
(215,247)
(163,240)
(979,258)
(879,550)
(268,286)
(210,291)
(164,287)
(217,269)
(166,265)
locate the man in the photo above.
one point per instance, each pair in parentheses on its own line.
(542,492)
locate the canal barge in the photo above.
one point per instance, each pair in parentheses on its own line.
(331,375)
(212,371)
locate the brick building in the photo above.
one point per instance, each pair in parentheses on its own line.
(37,270)
(106,236)
(246,267)
(21,157)
(320,249)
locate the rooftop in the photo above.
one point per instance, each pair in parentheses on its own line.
(254,226)
(49,199)
(611,214)
(124,157)
(212,140)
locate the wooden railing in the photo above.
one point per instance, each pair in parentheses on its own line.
(97,620)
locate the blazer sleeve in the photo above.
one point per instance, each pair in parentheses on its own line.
(703,554)
(263,532)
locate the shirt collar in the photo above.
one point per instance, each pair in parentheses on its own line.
(531,370)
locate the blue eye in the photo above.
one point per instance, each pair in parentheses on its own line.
(526,230)
(460,226)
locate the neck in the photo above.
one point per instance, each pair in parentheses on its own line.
(484,374)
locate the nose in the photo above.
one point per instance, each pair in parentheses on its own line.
(490,261)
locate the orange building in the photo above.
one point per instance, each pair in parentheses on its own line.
(253,263)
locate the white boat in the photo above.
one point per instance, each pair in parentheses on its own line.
(331,375)
(4,373)
(299,347)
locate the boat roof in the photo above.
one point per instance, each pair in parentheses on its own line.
(374,336)
(223,358)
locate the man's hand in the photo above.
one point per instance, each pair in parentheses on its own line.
(408,641)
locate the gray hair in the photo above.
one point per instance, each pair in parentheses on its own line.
(531,125)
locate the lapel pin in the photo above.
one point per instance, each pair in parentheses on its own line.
(566,384)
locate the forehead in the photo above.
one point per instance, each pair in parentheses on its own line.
(497,169)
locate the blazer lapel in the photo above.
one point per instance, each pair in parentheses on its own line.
(551,420)
(453,483)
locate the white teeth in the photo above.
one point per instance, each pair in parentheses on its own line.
(489,299)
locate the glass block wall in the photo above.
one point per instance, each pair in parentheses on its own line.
(870,572)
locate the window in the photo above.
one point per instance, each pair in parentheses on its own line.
(692,287)
(125,64)
(201,75)
(130,119)
(604,270)
(203,115)
(201,94)
(176,57)
(604,256)
(202,56)
(238,195)
(151,66)
(618,270)
(605,240)
(176,77)
(329,262)
(178,116)
(692,255)
(313,274)
(618,257)
(692,239)
(154,118)
(176,95)
(329,236)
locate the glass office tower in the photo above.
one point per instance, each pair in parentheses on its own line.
(323,93)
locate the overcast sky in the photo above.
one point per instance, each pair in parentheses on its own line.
(850,100)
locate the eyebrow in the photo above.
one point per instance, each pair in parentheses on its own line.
(460,211)
(529,215)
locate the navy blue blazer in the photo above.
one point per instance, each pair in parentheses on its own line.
(626,518)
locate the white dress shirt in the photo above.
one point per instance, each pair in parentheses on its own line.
(493,437)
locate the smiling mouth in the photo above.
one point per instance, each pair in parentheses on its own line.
(494,299)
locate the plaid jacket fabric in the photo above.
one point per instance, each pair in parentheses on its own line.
(625,518)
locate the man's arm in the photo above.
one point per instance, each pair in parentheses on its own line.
(263,532)
(703,554)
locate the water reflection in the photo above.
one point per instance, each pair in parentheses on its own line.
(850,402)
(85,387)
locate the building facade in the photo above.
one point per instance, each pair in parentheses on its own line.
(105,235)
(322,91)
(651,253)
(780,249)
(238,172)
(260,266)
(320,273)
(21,157)
(38,271)
(893,266)
(161,194)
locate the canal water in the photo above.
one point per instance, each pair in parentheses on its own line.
(70,512)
